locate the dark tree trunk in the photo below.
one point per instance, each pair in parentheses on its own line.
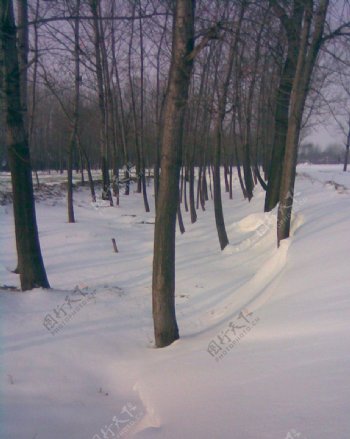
(247,168)
(210,185)
(142,131)
(310,43)
(292,27)
(231,185)
(75,120)
(184,179)
(199,184)
(347,147)
(88,168)
(81,165)
(240,179)
(259,178)
(70,206)
(119,106)
(247,172)
(219,215)
(180,220)
(23,49)
(204,186)
(191,195)
(227,185)
(106,194)
(133,102)
(163,283)
(159,111)
(32,270)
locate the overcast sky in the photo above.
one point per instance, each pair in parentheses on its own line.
(324,135)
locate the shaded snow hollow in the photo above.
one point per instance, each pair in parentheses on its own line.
(265,334)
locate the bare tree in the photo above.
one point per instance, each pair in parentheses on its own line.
(347,148)
(221,112)
(30,262)
(75,120)
(95,9)
(142,123)
(292,27)
(163,283)
(310,43)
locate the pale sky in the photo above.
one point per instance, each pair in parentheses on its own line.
(325,135)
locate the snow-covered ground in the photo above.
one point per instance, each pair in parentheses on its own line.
(265,333)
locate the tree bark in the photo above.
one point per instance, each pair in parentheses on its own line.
(347,147)
(94,6)
(292,27)
(75,121)
(142,131)
(219,215)
(310,43)
(163,283)
(159,112)
(23,49)
(133,104)
(32,270)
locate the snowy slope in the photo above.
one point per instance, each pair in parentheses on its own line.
(276,323)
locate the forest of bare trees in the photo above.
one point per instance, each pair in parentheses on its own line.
(172,93)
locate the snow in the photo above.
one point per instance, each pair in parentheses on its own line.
(286,377)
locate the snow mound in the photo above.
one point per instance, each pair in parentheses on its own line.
(252,222)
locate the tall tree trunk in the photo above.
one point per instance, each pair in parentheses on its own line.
(191,194)
(23,49)
(199,185)
(240,178)
(119,107)
(142,130)
(219,215)
(110,116)
(75,120)
(159,112)
(184,179)
(310,43)
(94,6)
(34,86)
(122,127)
(133,104)
(347,147)
(88,168)
(248,176)
(70,206)
(180,220)
(226,171)
(194,146)
(292,27)
(163,283)
(32,270)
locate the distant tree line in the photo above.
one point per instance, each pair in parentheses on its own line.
(330,155)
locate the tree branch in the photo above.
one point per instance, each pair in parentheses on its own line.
(212,34)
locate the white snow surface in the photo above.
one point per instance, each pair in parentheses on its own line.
(286,377)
